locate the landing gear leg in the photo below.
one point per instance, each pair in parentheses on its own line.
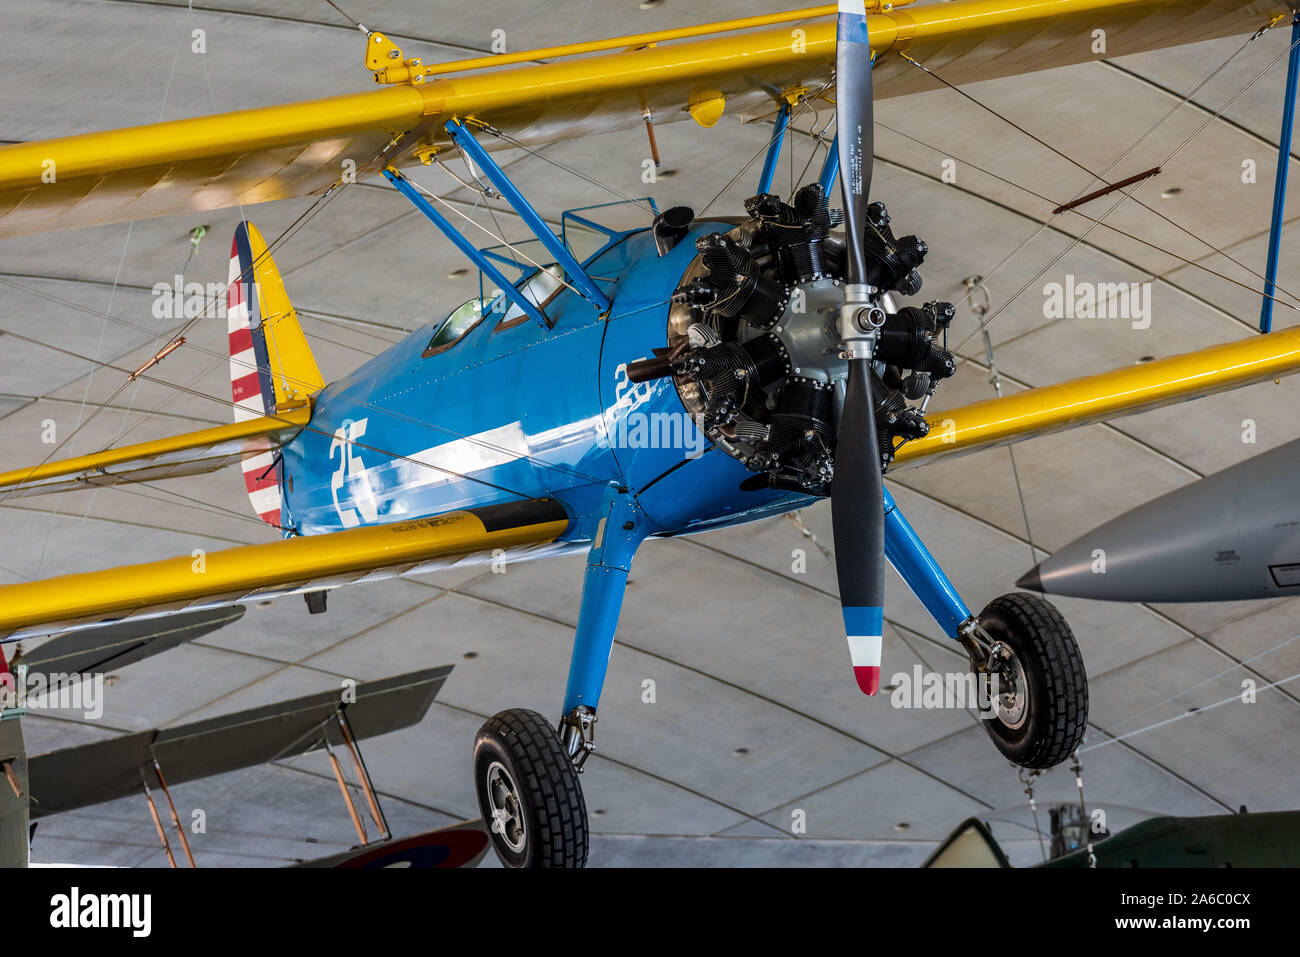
(525,773)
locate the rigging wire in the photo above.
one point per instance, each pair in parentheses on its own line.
(360,326)
(497,223)
(229,402)
(82,419)
(1190,713)
(343,13)
(1124,196)
(499,239)
(224,356)
(1214,677)
(1115,229)
(805,103)
(995,380)
(565,470)
(512,141)
(1100,177)
(294,226)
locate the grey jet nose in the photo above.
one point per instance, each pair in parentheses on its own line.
(1031,580)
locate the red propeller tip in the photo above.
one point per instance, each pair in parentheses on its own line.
(868,678)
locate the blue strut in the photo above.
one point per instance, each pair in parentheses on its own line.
(917,567)
(774,149)
(831,168)
(621,530)
(1279,184)
(464,245)
(584,284)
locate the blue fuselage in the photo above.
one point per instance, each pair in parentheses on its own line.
(512,410)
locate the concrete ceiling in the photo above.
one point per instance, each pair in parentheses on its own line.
(756,714)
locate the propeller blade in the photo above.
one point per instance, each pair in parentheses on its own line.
(857,492)
(853,123)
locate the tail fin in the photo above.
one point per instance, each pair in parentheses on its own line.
(271,366)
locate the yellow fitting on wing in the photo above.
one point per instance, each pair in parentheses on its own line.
(385,60)
(706,106)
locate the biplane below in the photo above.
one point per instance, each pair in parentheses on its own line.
(767,347)
(151,762)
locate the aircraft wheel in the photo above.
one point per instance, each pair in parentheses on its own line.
(1040,719)
(528,792)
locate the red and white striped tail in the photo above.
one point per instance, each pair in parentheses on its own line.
(250,374)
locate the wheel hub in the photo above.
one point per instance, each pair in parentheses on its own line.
(507,810)
(1012,703)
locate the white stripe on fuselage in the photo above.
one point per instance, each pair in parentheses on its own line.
(451,460)
(260,462)
(473,453)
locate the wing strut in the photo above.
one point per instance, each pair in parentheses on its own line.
(464,245)
(1279,184)
(585,285)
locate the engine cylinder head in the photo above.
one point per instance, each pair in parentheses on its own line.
(731,368)
(744,290)
(800,437)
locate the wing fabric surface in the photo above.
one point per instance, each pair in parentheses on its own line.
(298,149)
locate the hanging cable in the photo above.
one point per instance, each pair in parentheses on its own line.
(995,379)
(1028,781)
(1101,220)
(1085,821)
(1191,712)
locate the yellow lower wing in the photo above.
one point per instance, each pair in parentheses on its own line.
(253,572)
(1096,398)
(276,152)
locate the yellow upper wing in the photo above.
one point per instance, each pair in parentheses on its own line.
(293,150)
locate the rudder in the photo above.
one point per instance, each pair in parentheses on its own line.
(272,369)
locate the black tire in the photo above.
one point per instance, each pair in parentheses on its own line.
(517,751)
(1055,713)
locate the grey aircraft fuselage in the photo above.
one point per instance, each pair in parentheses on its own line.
(1229,536)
